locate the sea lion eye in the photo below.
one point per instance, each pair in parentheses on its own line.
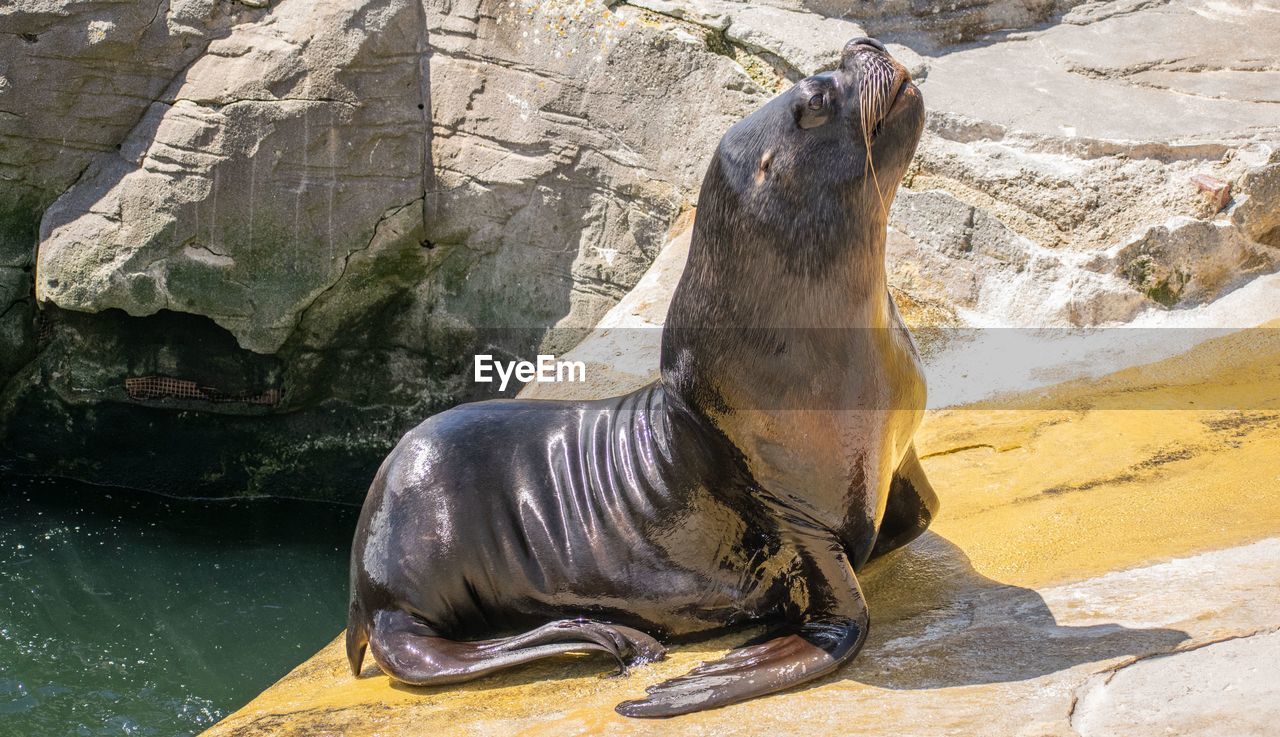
(812,113)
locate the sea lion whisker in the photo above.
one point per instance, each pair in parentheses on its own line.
(869,104)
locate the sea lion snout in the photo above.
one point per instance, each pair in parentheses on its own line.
(863,41)
(863,45)
(863,56)
(877,80)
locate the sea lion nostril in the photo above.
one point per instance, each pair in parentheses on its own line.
(865,41)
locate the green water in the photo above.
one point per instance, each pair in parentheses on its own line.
(129,614)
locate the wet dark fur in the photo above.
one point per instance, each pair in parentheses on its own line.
(769,462)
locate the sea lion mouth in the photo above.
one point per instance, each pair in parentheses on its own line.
(883,88)
(890,108)
(899,94)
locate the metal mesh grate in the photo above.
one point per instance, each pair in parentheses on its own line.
(44,328)
(167,387)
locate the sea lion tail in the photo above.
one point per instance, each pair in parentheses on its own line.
(409,651)
(357,637)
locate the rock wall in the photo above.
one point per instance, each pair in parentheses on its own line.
(1110,164)
(245,245)
(277,233)
(75,77)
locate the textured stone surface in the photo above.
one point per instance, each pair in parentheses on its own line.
(1214,689)
(247,187)
(1055,184)
(567,139)
(75,77)
(244,190)
(940,23)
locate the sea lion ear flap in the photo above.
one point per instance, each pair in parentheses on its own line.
(762,173)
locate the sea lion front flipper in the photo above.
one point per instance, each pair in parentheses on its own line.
(743,674)
(832,632)
(911,507)
(408,651)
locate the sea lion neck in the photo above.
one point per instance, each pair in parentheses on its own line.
(744,303)
(775,257)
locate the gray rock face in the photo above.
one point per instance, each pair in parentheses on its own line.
(245,188)
(310,214)
(939,23)
(1056,183)
(1216,688)
(566,140)
(359,193)
(74,79)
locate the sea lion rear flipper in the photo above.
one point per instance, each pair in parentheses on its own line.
(911,507)
(831,633)
(408,651)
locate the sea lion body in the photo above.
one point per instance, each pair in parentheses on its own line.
(589,508)
(769,462)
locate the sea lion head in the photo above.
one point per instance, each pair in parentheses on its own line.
(790,229)
(821,161)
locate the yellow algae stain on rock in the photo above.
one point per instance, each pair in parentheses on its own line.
(1152,462)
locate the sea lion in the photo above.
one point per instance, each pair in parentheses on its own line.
(747,485)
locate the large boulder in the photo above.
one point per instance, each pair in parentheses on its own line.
(246,187)
(75,77)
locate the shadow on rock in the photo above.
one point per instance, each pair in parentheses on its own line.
(936,622)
